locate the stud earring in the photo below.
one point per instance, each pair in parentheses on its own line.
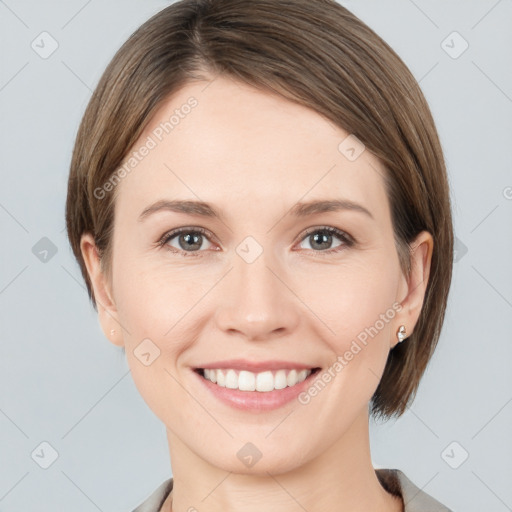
(112,332)
(401,334)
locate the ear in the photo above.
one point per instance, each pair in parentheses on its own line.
(107,312)
(412,288)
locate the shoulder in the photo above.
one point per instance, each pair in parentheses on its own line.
(156,499)
(415,500)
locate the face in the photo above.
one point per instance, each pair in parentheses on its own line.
(257,279)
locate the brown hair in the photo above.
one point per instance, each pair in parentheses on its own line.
(316,53)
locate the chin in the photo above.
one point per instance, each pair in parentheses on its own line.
(259,459)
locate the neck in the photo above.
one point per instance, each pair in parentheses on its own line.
(340,479)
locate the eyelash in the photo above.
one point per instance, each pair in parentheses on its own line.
(348,241)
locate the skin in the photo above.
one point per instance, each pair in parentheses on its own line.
(253,155)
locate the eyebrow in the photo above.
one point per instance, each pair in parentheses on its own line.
(332,205)
(203,209)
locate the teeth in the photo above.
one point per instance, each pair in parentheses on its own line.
(249,381)
(246,381)
(231,380)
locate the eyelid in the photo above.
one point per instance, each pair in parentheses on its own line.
(168,235)
(347,240)
(331,229)
(189,229)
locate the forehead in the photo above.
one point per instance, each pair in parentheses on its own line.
(230,144)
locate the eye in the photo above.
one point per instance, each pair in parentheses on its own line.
(190,241)
(187,241)
(320,239)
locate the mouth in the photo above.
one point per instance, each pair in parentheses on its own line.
(254,386)
(262,382)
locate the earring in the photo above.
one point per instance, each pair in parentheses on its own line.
(401,334)
(112,332)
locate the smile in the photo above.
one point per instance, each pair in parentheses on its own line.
(256,391)
(264,382)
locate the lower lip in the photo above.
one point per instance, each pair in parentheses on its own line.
(257,400)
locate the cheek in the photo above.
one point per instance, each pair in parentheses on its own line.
(159,308)
(357,306)
(352,299)
(360,312)
(153,299)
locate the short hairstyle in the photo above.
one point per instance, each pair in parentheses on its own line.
(315,53)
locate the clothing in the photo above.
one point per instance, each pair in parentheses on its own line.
(393,480)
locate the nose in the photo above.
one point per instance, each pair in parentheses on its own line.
(256,301)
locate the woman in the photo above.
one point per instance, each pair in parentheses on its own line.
(259,205)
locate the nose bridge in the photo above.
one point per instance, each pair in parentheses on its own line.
(256,303)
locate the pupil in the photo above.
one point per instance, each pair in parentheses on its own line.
(324,238)
(191,241)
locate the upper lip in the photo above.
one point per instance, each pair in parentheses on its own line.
(256,366)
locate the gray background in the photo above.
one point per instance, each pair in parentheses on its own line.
(62,383)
